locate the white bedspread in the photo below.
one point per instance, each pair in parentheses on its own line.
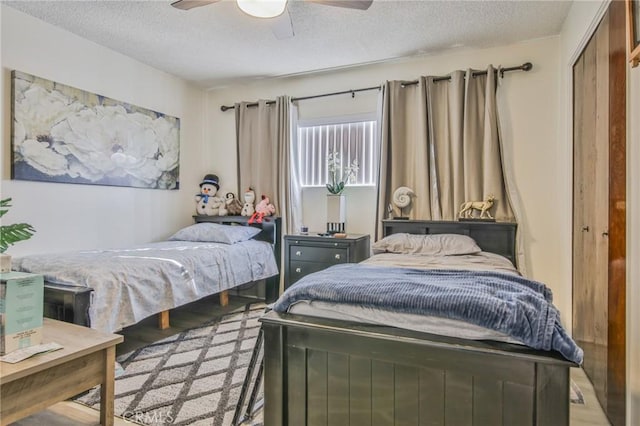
(429,324)
(131,284)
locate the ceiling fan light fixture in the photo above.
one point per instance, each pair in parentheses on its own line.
(262,8)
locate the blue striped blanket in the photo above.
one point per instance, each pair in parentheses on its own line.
(510,304)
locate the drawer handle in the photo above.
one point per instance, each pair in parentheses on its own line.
(298,253)
(298,270)
(337,256)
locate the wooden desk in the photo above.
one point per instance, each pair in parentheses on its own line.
(87,360)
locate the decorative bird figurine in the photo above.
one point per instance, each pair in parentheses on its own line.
(402,199)
(234,206)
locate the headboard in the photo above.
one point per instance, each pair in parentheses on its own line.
(494,237)
(271,233)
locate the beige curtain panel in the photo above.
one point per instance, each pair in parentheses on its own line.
(441,139)
(263,134)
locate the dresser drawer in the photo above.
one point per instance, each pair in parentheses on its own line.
(306,254)
(298,270)
(330,255)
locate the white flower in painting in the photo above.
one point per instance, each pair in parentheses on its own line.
(123,160)
(57,135)
(167,134)
(108,141)
(102,139)
(43,159)
(19,132)
(37,109)
(77,169)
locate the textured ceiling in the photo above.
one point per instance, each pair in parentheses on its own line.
(217,44)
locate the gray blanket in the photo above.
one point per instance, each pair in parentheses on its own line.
(507,303)
(133,283)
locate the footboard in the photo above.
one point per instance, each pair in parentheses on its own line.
(67,303)
(329,372)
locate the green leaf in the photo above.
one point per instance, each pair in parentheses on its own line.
(4,206)
(11,234)
(334,189)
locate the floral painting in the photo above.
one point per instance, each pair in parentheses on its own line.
(64,134)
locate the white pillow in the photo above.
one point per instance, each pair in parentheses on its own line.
(428,245)
(215,233)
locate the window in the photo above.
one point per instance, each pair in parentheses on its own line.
(354,140)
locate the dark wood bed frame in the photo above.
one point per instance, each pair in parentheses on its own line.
(271,232)
(329,372)
(71,303)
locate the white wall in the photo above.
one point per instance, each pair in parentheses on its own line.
(578,27)
(70,216)
(528,105)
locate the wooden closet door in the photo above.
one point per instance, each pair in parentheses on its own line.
(599,211)
(591,168)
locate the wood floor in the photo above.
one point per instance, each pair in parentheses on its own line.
(73,414)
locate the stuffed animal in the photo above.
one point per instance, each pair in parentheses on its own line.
(213,206)
(263,208)
(206,201)
(249,200)
(234,206)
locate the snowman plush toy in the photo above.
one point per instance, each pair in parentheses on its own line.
(248,208)
(206,201)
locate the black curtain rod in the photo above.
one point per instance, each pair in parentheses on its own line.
(353,94)
(524,67)
(527,66)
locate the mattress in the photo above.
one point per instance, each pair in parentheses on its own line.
(482,261)
(133,283)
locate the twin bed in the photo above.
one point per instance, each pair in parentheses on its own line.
(334,357)
(332,361)
(133,283)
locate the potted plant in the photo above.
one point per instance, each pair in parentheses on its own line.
(338,177)
(11,234)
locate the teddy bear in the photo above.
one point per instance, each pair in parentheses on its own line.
(233,205)
(206,202)
(263,208)
(249,200)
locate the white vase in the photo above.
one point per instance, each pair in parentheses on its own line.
(336,213)
(5,263)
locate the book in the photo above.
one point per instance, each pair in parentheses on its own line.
(21,310)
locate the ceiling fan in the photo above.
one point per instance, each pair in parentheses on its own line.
(282,27)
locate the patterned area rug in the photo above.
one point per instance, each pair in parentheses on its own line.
(191,378)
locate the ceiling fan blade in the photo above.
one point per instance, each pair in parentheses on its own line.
(282,26)
(349,4)
(190,4)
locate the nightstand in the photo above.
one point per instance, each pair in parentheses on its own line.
(305,254)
